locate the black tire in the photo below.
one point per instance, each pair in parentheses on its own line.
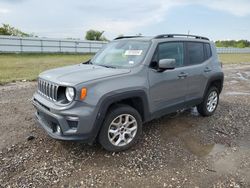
(202,108)
(114,112)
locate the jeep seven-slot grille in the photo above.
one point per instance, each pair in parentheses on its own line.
(47,89)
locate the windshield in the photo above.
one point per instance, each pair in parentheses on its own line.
(123,53)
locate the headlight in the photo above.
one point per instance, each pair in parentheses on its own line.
(70,93)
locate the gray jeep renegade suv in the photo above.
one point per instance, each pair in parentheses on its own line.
(130,81)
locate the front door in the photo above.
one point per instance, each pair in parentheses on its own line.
(167,89)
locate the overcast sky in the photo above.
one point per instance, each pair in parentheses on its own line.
(217,19)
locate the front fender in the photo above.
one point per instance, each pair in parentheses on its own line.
(114,97)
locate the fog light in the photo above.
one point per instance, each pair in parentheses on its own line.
(58,129)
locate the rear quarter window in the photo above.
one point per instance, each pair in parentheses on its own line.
(208,50)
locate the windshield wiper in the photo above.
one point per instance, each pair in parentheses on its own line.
(108,66)
(87,62)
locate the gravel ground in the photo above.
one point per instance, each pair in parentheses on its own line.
(182,150)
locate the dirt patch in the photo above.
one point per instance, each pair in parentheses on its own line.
(185,150)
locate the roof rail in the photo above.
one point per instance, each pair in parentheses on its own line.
(179,35)
(127,37)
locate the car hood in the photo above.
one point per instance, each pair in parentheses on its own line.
(75,74)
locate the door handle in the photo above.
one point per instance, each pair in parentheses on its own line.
(207,69)
(183,75)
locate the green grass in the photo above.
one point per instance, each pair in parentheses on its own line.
(234,58)
(16,67)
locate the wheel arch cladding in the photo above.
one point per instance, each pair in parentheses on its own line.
(137,99)
(217,81)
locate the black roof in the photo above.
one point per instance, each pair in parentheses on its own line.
(180,35)
(165,36)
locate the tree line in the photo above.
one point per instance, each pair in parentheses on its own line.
(233,43)
(8,30)
(91,34)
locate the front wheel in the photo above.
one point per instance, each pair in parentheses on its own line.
(210,102)
(121,129)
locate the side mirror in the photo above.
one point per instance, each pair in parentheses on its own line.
(166,64)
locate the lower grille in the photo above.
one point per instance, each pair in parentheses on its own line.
(47,89)
(50,123)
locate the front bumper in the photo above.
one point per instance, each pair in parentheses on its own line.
(75,122)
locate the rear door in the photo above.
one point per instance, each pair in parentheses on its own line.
(198,67)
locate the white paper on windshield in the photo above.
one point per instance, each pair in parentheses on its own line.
(133,52)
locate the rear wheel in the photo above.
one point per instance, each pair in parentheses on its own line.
(210,102)
(121,129)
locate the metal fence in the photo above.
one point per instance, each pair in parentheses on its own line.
(233,50)
(10,44)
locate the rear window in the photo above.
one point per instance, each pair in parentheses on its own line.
(195,53)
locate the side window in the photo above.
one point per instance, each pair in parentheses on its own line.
(208,50)
(169,50)
(195,53)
